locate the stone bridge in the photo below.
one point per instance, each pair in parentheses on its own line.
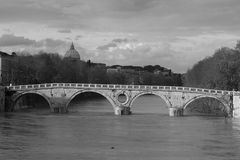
(59,95)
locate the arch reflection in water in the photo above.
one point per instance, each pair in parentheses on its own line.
(149,104)
(206,107)
(31,102)
(90,102)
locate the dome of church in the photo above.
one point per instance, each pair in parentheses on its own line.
(72,53)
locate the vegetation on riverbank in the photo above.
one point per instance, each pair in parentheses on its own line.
(220,71)
(51,67)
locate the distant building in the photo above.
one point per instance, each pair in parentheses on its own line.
(167,72)
(100,65)
(72,54)
(114,70)
(164,72)
(6,68)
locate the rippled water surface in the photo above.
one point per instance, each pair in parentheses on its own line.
(91,131)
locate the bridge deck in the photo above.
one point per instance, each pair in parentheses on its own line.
(117,86)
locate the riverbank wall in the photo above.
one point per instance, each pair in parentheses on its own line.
(2,99)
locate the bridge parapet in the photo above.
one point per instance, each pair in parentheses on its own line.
(118,86)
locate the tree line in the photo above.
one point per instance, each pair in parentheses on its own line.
(52,68)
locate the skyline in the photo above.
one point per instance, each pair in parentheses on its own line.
(175,34)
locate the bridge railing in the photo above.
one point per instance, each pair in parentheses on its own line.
(117,86)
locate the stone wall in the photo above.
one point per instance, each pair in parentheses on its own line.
(2,99)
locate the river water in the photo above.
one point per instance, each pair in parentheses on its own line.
(90,131)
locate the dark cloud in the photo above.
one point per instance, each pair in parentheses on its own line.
(119,40)
(133,5)
(49,43)
(125,15)
(6,30)
(78,37)
(115,43)
(12,40)
(107,46)
(16,11)
(64,31)
(68,38)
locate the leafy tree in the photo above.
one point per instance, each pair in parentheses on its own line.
(52,68)
(220,71)
(116,78)
(97,75)
(149,68)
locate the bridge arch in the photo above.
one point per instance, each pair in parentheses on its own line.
(91,91)
(226,106)
(150,93)
(18,96)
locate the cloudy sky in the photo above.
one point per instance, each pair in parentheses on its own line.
(173,33)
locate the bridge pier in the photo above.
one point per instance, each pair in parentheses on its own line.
(236,106)
(123,110)
(126,111)
(59,110)
(2,99)
(117,111)
(175,112)
(58,105)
